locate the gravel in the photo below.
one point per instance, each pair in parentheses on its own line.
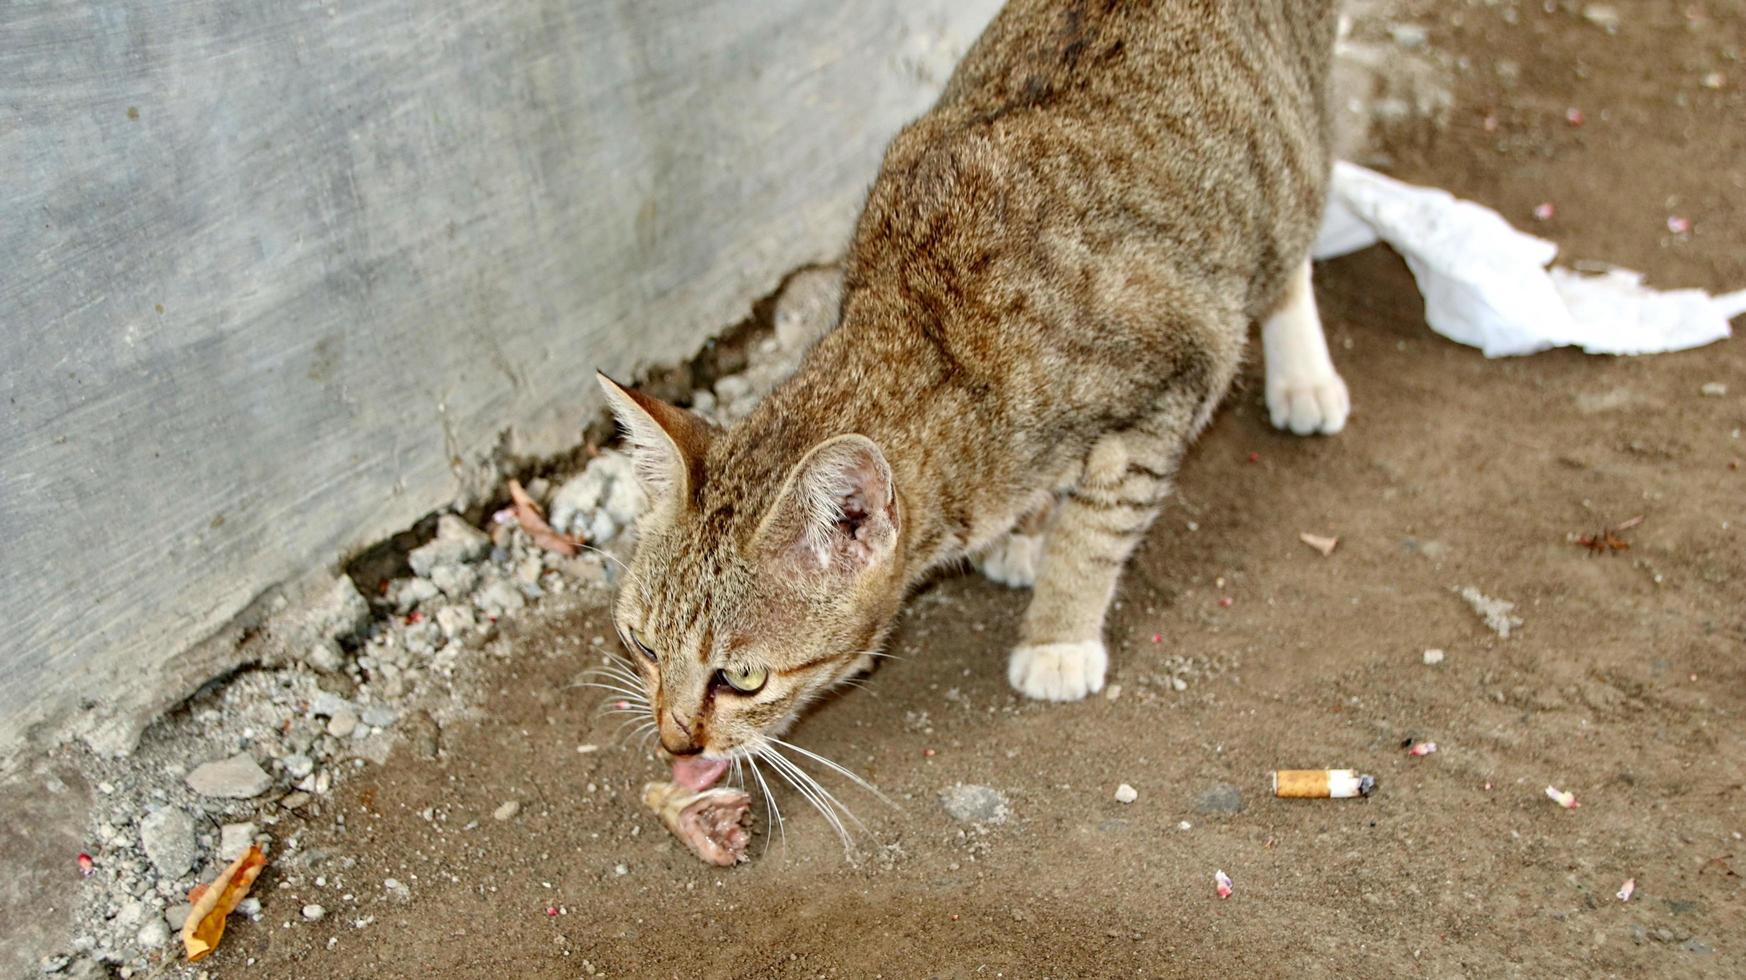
(1126,794)
(456,542)
(1495,612)
(325,656)
(238,777)
(234,839)
(154,934)
(969,803)
(167,837)
(342,724)
(314,913)
(1221,798)
(1433,657)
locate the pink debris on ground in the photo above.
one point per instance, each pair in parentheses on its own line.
(1627,889)
(1225,602)
(1563,798)
(1574,116)
(1544,211)
(1223,883)
(1421,749)
(1678,225)
(86,865)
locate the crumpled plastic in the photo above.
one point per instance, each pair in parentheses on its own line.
(1487,285)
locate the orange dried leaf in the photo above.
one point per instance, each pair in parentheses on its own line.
(212,903)
(527,514)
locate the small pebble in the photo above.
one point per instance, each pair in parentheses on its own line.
(1126,794)
(1433,657)
(342,724)
(314,913)
(238,777)
(1714,389)
(507,811)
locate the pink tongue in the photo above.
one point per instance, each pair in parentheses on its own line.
(696,773)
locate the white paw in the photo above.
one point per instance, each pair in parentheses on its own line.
(1058,671)
(1012,560)
(1309,405)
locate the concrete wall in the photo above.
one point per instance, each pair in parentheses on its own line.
(277,279)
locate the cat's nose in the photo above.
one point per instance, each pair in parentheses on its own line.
(676,735)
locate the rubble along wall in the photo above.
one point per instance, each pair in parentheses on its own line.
(280,279)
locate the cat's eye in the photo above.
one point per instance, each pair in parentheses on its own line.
(647,650)
(746,680)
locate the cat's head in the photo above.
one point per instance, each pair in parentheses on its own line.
(763,576)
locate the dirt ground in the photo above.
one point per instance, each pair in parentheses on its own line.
(1625,685)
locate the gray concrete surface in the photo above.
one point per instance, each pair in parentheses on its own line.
(278,279)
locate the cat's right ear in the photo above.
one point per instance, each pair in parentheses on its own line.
(667,443)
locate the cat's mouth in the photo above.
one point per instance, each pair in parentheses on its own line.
(697,773)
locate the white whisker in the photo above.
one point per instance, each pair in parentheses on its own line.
(770,804)
(837,768)
(821,798)
(627,692)
(801,787)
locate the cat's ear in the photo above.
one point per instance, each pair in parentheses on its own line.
(667,443)
(837,511)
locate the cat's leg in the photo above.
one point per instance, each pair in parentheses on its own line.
(1061,655)
(1304,392)
(1013,558)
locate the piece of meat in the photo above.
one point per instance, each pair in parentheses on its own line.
(711,822)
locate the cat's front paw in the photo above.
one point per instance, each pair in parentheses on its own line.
(1012,561)
(1058,671)
(1307,405)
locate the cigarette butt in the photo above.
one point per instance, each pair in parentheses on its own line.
(1321,784)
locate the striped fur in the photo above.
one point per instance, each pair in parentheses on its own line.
(1047,294)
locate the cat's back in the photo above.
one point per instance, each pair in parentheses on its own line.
(1200,124)
(1145,55)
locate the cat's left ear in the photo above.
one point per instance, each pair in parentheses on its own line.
(837,511)
(667,443)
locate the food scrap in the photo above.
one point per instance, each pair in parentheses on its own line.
(1321,544)
(212,903)
(1419,750)
(1563,798)
(1223,883)
(710,822)
(1627,889)
(527,514)
(1321,784)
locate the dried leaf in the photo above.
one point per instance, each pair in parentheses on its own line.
(1321,544)
(212,903)
(527,513)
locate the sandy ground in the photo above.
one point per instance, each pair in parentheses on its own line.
(1626,684)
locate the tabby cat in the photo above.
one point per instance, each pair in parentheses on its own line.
(1048,293)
